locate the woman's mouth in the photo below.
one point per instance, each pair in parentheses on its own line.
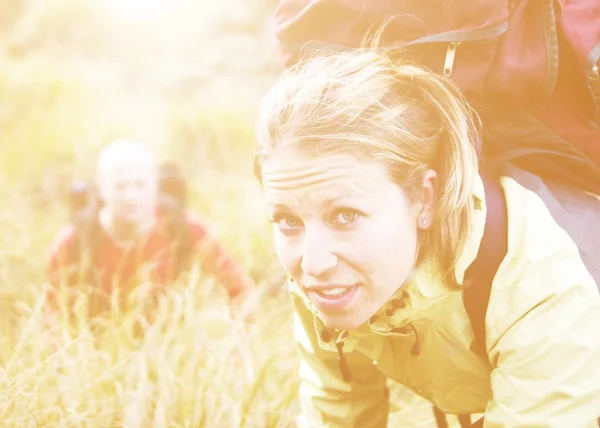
(332,298)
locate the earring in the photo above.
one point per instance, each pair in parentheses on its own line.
(424,222)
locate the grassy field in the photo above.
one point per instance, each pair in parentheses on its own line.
(185,81)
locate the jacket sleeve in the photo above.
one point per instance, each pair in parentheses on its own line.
(216,260)
(58,262)
(547,363)
(326,399)
(59,257)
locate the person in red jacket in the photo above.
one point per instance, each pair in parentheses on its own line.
(138,235)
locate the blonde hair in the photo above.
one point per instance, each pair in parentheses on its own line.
(364,103)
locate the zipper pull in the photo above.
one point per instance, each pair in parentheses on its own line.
(594,85)
(346,374)
(449,62)
(595,79)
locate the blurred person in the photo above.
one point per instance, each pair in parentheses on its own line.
(135,229)
(409,261)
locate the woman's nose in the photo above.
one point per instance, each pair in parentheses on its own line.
(318,255)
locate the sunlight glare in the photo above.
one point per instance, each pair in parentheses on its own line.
(139,10)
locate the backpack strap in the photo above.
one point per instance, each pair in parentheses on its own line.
(480,275)
(492,250)
(173,202)
(172,183)
(179,230)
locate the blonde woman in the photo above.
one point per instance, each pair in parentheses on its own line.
(370,173)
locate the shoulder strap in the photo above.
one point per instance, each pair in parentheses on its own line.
(492,250)
(172,183)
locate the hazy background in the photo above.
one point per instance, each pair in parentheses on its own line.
(183,77)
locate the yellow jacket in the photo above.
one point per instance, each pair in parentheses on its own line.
(542,337)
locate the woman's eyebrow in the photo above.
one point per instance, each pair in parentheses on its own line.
(279,207)
(329,202)
(350,196)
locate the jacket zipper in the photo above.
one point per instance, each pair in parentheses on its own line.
(594,80)
(342,362)
(456,36)
(594,86)
(593,61)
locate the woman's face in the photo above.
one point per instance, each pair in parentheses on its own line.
(343,231)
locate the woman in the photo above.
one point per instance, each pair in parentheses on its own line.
(370,172)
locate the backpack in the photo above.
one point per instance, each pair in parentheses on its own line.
(531,71)
(529,68)
(85,203)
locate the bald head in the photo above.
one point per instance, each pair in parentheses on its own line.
(126,174)
(123,153)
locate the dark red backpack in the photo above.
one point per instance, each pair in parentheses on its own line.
(530,68)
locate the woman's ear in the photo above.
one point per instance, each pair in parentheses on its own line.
(428,200)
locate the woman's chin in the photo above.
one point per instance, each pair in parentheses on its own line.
(343,322)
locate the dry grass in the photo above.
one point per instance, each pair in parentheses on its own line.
(194,366)
(73,77)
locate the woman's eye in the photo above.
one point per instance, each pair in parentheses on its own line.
(346,217)
(287,223)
